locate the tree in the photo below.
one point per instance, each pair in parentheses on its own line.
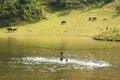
(107,1)
(19,10)
(57,4)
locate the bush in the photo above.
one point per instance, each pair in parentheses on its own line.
(65,4)
(19,10)
(57,4)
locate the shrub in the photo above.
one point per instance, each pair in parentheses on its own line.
(19,10)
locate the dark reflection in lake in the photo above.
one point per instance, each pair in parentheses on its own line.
(38,60)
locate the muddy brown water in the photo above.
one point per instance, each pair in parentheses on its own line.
(39,60)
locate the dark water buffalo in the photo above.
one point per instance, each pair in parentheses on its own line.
(63,22)
(14,29)
(94,19)
(11,29)
(90,18)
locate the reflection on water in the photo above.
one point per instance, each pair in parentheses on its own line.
(39,60)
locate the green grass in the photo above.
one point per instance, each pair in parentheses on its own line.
(77,24)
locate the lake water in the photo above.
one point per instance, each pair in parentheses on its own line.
(38,59)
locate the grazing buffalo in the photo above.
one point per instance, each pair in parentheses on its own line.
(90,18)
(94,19)
(63,22)
(11,29)
(14,29)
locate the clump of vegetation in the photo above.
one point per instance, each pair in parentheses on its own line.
(113,35)
(14,11)
(70,4)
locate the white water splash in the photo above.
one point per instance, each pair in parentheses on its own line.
(38,60)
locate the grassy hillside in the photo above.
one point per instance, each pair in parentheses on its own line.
(77,24)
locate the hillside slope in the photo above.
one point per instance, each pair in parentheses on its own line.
(77,23)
